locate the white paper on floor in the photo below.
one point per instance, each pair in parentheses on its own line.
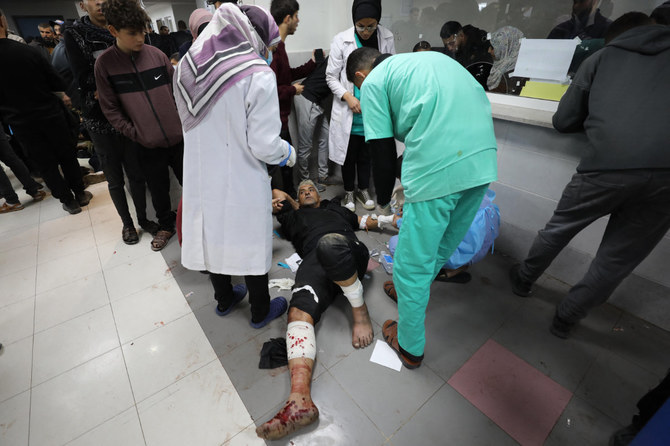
(282,284)
(384,355)
(294,261)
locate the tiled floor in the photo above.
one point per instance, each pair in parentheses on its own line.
(108,344)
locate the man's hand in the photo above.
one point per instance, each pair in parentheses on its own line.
(298,89)
(353,103)
(276,205)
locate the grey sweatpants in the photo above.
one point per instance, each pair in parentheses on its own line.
(638,205)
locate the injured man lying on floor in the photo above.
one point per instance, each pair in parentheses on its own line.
(334,260)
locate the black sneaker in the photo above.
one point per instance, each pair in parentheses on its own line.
(520,287)
(83,197)
(560,327)
(72,207)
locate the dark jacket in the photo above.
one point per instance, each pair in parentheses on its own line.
(305,227)
(84,42)
(27,88)
(580,27)
(285,76)
(135,94)
(620,98)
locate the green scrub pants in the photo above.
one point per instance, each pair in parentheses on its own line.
(431,231)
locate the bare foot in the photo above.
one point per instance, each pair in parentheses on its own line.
(362,333)
(298,411)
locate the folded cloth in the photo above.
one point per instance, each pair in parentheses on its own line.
(273,354)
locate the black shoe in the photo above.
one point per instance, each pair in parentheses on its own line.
(520,287)
(560,327)
(83,197)
(149,226)
(72,207)
(129,235)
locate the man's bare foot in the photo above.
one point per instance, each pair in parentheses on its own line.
(362,333)
(299,411)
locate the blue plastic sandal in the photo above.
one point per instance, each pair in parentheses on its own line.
(278,306)
(239,291)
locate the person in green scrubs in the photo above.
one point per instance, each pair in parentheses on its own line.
(440,112)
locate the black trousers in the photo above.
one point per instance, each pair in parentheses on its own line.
(282,177)
(259,296)
(9,157)
(336,258)
(357,161)
(117,153)
(155,164)
(50,145)
(386,167)
(638,205)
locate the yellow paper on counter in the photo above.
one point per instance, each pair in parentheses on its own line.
(544,90)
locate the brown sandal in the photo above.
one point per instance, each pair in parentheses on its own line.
(6,207)
(161,239)
(390,333)
(389,289)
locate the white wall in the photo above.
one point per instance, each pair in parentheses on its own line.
(158,11)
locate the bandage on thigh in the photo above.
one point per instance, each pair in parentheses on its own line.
(300,340)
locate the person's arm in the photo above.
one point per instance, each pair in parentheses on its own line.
(263,122)
(303,70)
(111,105)
(384,163)
(574,106)
(285,91)
(279,200)
(336,63)
(368,223)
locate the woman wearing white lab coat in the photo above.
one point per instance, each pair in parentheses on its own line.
(366,15)
(227,99)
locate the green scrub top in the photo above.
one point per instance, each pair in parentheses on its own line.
(432,104)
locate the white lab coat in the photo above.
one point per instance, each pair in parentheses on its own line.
(341,117)
(227,200)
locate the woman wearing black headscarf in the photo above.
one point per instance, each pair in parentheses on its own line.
(346,140)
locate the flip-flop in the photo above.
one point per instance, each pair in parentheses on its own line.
(462,277)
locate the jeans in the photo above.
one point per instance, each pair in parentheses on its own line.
(312,122)
(117,153)
(155,163)
(50,145)
(638,205)
(11,159)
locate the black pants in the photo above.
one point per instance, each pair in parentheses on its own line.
(357,161)
(50,145)
(282,177)
(259,296)
(335,259)
(155,163)
(638,205)
(11,159)
(117,153)
(386,167)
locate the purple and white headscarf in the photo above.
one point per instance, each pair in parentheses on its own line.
(227,51)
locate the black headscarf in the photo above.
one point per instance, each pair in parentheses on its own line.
(367,9)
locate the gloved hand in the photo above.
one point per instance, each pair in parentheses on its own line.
(291,158)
